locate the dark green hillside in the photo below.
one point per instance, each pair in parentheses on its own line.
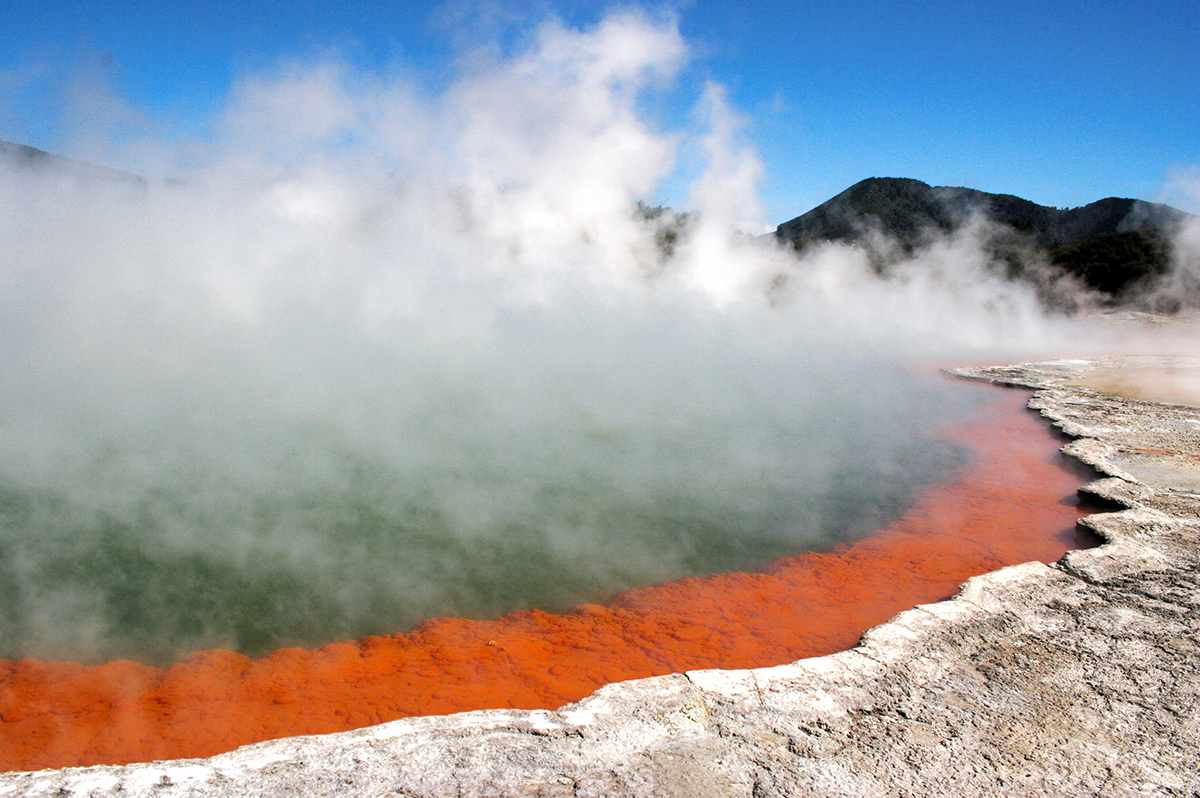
(897,207)
(1116,262)
(1115,246)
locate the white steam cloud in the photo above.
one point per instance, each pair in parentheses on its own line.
(1183,188)
(382,353)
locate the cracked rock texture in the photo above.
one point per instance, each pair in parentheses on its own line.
(1076,679)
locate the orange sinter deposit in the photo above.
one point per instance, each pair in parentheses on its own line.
(1013,502)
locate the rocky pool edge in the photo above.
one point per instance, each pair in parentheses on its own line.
(1078,678)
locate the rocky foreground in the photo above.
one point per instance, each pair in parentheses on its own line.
(1079,678)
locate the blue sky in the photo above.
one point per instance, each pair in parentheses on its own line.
(1059,102)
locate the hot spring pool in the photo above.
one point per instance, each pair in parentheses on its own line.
(1010,502)
(175,533)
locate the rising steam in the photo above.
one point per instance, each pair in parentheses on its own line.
(377,354)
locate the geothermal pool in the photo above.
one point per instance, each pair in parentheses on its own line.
(153,540)
(1003,495)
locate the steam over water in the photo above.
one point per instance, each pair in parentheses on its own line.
(382,355)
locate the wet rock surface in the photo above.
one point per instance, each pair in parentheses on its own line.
(1075,679)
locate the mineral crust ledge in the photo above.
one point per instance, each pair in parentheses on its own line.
(1080,678)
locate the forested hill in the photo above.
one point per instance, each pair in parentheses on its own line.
(907,209)
(1117,247)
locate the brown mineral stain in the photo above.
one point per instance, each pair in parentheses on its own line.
(1178,385)
(1014,502)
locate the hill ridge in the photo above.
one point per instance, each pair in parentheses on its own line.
(1118,248)
(906,208)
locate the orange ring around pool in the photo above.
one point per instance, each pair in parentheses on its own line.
(1013,502)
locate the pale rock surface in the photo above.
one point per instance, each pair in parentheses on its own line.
(1077,679)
